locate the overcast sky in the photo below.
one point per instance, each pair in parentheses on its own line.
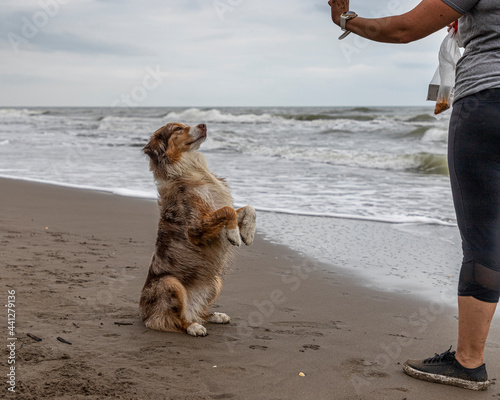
(204,53)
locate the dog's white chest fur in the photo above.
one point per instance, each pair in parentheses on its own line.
(215,194)
(212,190)
(193,167)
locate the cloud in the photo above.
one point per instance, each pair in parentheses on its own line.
(21,79)
(72,43)
(23,31)
(280,52)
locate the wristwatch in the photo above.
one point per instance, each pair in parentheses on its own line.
(344,17)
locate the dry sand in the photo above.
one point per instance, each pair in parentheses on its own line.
(78,259)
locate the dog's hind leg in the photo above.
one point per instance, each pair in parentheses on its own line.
(216,317)
(163,307)
(247,222)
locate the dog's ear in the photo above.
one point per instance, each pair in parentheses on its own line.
(154,149)
(158,144)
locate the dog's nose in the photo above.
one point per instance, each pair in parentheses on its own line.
(202,126)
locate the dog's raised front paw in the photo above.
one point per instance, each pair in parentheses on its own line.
(247,221)
(219,318)
(196,329)
(233,235)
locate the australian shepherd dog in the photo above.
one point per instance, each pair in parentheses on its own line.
(197,233)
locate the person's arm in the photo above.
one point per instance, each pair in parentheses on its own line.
(427,17)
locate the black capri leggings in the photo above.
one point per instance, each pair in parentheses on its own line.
(474,162)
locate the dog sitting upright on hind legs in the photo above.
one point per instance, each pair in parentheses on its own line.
(197,233)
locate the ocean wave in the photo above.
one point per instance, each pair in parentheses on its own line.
(4,142)
(217,116)
(112,118)
(422,118)
(417,132)
(428,163)
(305,117)
(357,117)
(390,219)
(422,162)
(126,124)
(21,112)
(363,109)
(152,195)
(142,194)
(334,131)
(428,134)
(214,115)
(435,135)
(112,123)
(316,117)
(195,115)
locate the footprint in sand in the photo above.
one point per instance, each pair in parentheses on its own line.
(311,346)
(256,347)
(363,367)
(264,337)
(310,324)
(222,396)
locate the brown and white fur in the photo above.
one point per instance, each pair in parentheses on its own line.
(197,233)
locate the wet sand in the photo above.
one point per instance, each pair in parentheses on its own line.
(77,261)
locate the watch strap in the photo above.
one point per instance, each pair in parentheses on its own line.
(344,17)
(344,35)
(343,21)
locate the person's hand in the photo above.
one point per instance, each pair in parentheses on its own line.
(338,7)
(453,25)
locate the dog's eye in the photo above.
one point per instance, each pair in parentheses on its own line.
(179,128)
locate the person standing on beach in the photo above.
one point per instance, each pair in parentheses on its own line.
(474,163)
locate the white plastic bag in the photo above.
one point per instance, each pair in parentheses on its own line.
(449,54)
(432,94)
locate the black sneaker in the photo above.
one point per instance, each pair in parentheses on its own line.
(444,368)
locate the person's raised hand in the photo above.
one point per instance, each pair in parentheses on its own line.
(338,7)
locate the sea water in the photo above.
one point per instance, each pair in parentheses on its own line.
(384,164)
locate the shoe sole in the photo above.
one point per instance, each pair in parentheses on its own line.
(446,380)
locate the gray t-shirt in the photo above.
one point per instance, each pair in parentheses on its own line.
(479,30)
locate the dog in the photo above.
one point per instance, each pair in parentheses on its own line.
(197,234)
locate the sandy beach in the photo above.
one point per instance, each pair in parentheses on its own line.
(77,261)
